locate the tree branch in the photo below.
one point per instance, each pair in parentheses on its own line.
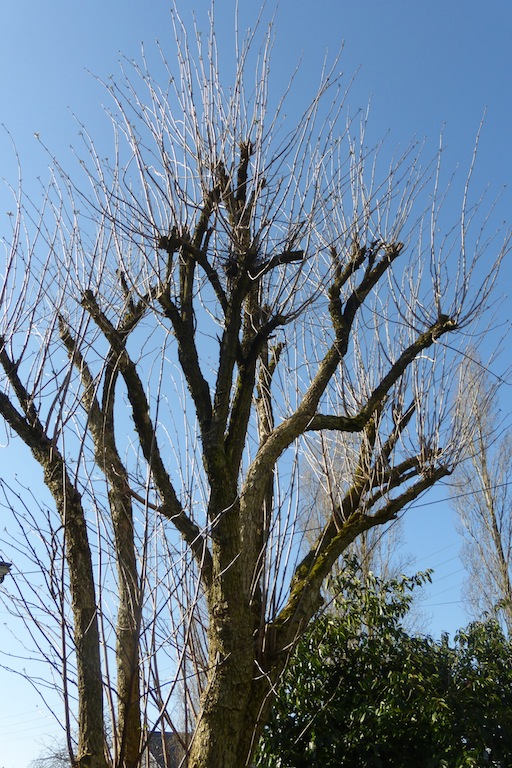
(170,507)
(305,597)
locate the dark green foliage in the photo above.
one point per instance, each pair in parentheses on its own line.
(361,691)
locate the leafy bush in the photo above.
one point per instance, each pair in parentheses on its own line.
(362,691)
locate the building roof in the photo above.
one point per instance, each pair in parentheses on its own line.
(166,750)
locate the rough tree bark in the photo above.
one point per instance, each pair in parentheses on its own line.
(236,293)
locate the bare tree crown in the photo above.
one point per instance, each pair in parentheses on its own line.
(226,294)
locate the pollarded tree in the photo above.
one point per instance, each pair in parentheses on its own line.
(223,291)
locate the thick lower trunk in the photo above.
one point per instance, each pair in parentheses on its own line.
(231,723)
(231,701)
(238,691)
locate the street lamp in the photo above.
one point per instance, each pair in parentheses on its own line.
(4,570)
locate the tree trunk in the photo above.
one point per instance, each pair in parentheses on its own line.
(237,705)
(127,633)
(234,612)
(128,676)
(91,736)
(219,737)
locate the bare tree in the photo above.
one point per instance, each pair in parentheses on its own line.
(482,497)
(176,331)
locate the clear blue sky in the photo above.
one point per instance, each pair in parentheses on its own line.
(423,65)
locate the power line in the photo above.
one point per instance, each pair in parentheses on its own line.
(462,495)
